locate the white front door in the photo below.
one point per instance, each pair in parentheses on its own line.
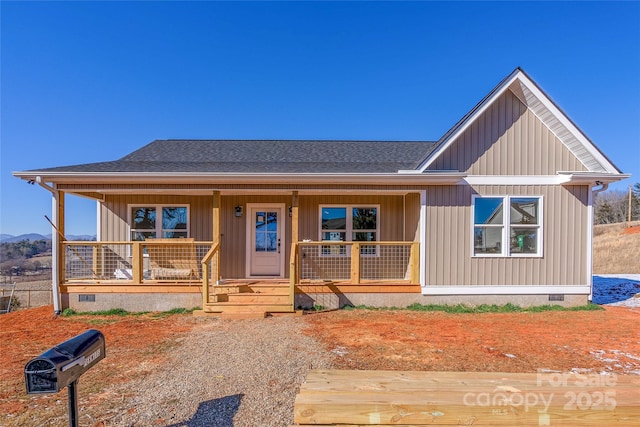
(265,239)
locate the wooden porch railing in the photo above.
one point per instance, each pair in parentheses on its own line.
(212,257)
(135,262)
(355,261)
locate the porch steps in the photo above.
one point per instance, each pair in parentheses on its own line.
(249,300)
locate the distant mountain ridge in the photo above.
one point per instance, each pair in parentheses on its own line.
(8,238)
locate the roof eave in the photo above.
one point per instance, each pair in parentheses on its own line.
(431,178)
(592,178)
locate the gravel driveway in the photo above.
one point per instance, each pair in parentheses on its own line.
(227,373)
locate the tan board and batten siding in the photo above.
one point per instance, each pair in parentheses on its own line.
(449,239)
(508,139)
(234,230)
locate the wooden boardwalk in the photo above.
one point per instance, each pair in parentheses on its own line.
(392,398)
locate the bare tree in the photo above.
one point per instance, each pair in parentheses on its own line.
(612,206)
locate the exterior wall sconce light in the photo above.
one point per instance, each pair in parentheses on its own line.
(290,210)
(238,210)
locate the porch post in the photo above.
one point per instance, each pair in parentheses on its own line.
(294,218)
(423,237)
(216,235)
(57,253)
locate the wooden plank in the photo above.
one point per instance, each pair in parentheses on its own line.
(295,226)
(132,289)
(138,269)
(414,262)
(362,288)
(463,398)
(216,234)
(61,258)
(241,308)
(355,263)
(323,380)
(248,298)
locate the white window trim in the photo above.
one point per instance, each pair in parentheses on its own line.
(158,208)
(349,227)
(506,226)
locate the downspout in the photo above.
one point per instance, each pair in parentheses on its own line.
(592,193)
(55,245)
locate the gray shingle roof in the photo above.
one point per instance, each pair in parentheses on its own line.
(264,156)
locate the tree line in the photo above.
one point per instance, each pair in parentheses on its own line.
(16,258)
(613,206)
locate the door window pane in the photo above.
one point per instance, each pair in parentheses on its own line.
(266,224)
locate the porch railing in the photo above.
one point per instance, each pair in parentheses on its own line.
(210,271)
(355,261)
(173,260)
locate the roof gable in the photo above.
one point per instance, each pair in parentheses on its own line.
(547,112)
(507,139)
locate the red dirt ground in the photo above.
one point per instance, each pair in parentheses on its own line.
(632,230)
(131,344)
(591,341)
(595,341)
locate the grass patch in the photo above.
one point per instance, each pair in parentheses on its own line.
(174,311)
(484,308)
(112,312)
(68,312)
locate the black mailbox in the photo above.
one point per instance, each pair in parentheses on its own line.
(63,364)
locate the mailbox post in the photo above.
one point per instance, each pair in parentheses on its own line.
(62,365)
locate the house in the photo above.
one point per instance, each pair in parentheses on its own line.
(499,209)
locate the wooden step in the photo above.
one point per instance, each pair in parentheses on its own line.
(252,298)
(230,289)
(228,307)
(268,289)
(202,313)
(218,297)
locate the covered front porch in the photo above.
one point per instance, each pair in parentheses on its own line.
(321,274)
(324,245)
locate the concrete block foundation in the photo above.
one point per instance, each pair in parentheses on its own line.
(131,302)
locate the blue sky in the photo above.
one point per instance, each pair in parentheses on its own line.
(92,81)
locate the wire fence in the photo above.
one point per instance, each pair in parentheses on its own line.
(159,259)
(373,261)
(28,298)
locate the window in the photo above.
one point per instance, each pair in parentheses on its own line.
(349,224)
(155,222)
(498,231)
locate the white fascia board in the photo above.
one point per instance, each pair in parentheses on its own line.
(517,179)
(507,290)
(591,178)
(437,178)
(565,122)
(562,178)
